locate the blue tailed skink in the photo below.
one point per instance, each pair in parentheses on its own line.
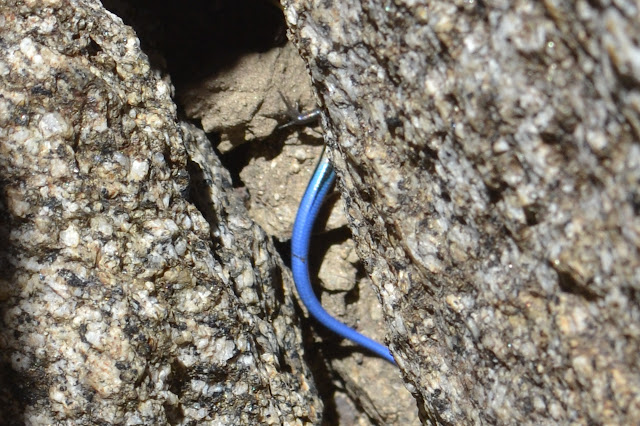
(318,188)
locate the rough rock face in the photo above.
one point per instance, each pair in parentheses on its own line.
(489,156)
(119,302)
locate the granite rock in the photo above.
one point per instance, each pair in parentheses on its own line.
(119,302)
(489,157)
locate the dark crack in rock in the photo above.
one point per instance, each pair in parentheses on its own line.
(489,157)
(117,305)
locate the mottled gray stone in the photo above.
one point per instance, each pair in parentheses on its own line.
(489,156)
(119,302)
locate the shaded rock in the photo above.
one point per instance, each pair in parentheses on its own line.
(488,155)
(241,103)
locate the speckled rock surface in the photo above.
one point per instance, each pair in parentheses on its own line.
(119,303)
(489,156)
